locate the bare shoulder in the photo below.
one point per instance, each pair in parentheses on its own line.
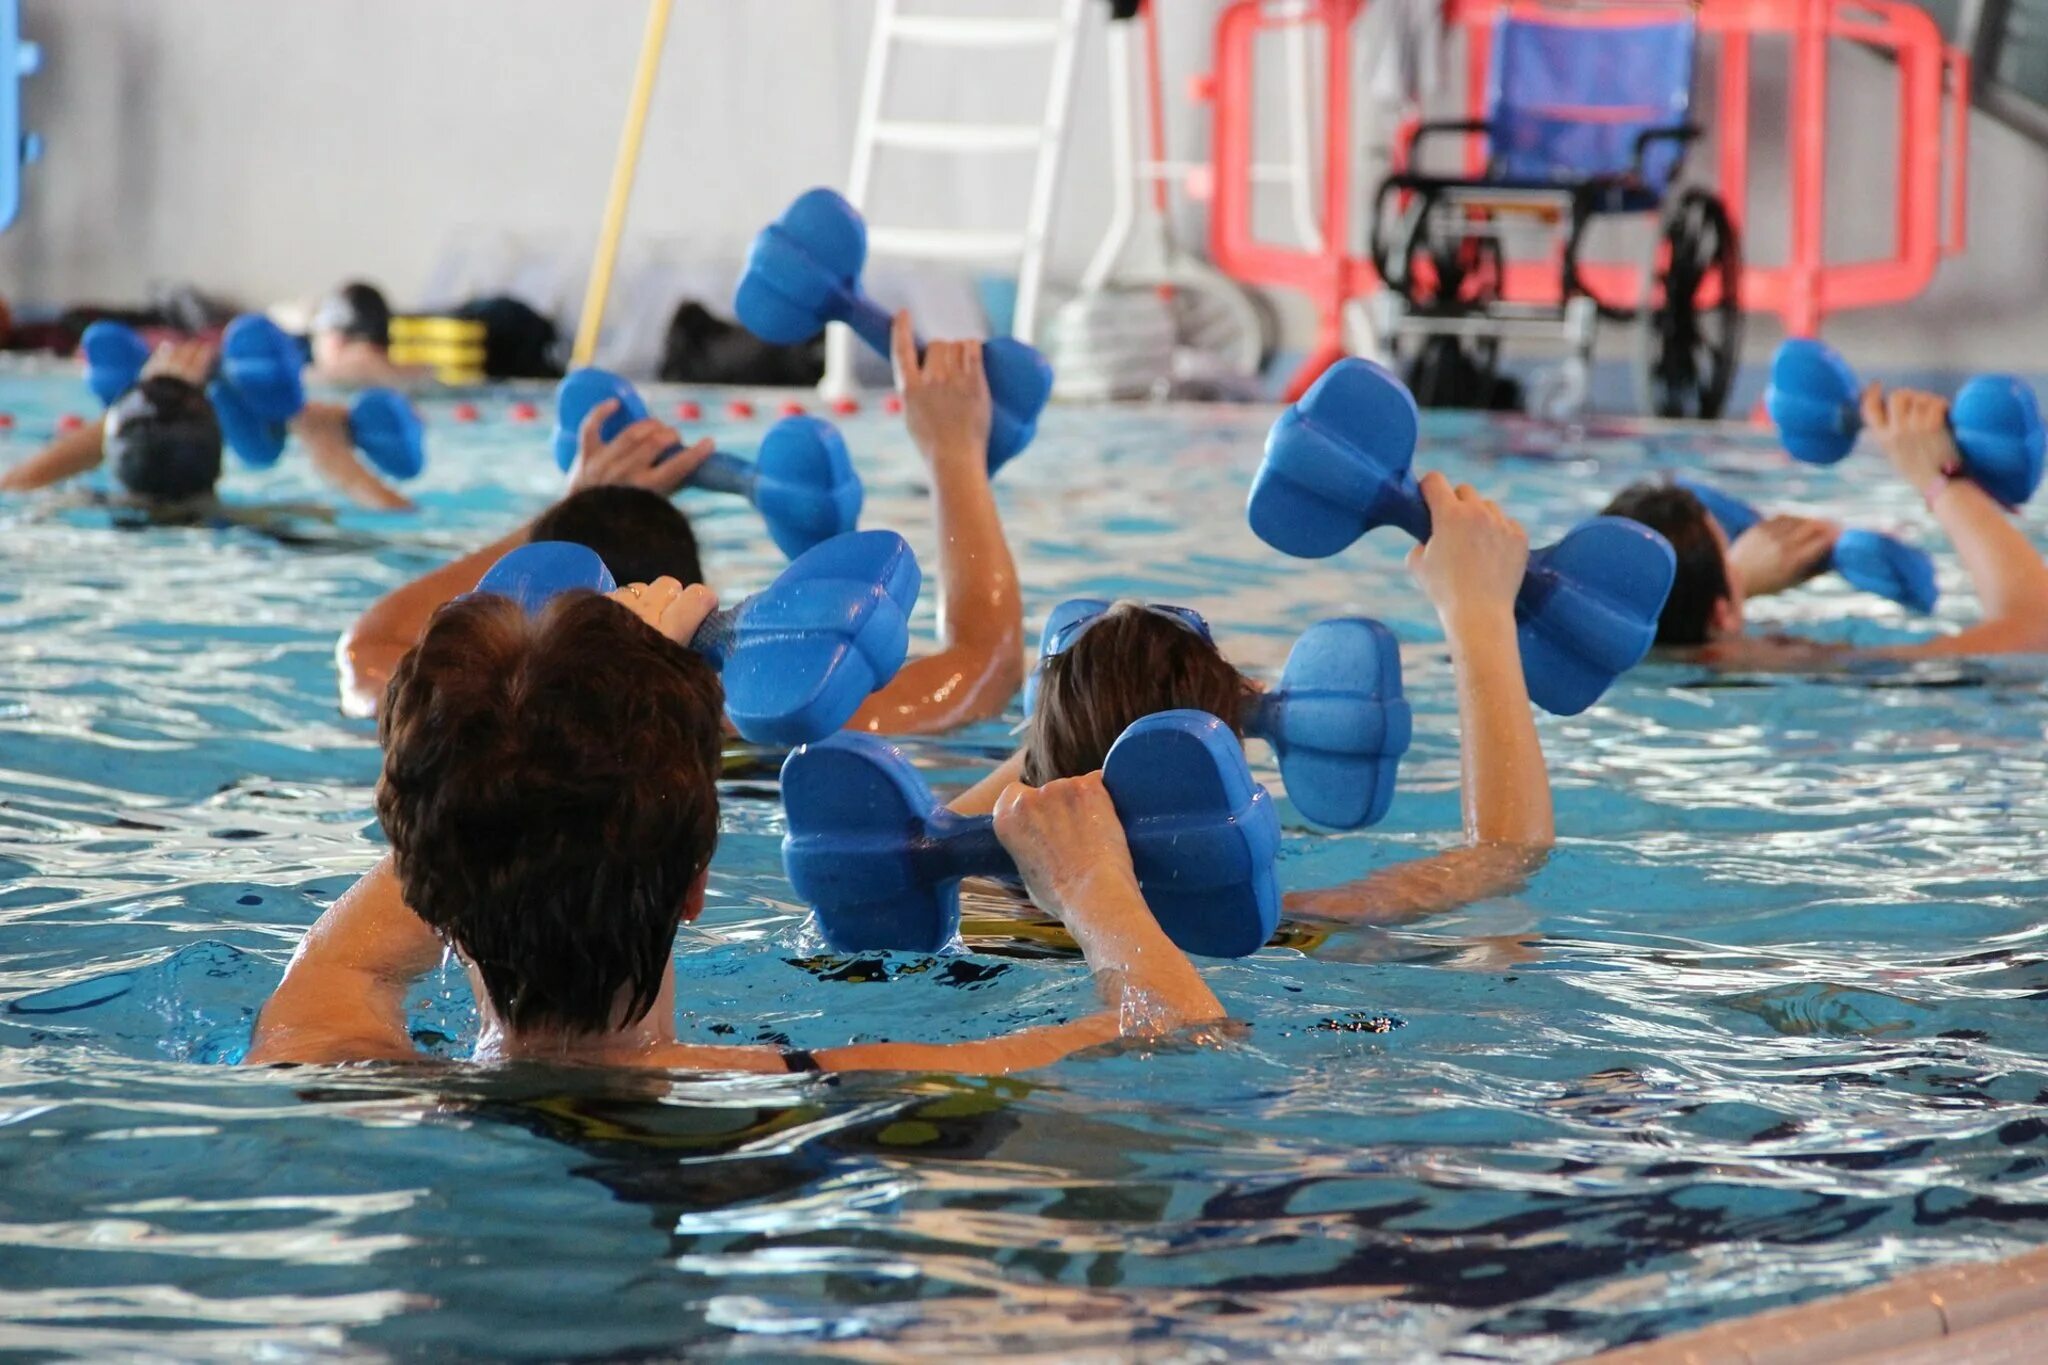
(695,1057)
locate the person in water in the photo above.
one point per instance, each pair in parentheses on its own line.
(618,505)
(550,791)
(1705,616)
(162,442)
(349,339)
(1135,660)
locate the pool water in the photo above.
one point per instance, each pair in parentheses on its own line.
(1768,1025)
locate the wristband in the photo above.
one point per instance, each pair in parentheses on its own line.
(1950,471)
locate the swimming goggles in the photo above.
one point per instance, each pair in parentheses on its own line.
(1071,619)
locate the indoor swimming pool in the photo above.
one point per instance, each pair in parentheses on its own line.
(1766,1027)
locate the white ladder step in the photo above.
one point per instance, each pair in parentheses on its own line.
(950,30)
(960,137)
(944,244)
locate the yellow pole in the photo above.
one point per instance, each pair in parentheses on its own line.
(623,170)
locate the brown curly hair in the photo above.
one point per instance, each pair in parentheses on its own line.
(550,792)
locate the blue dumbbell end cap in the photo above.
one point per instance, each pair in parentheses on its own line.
(255,442)
(831,630)
(535,574)
(1734,515)
(388,431)
(801,268)
(1339,722)
(262,361)
(579,392)
(1588,610)
(805,486)
(114,355)
(1202,834)
(1813,400)
(858,814)
(1333,460)
(1019,386)
(1997,424)
(1888,567)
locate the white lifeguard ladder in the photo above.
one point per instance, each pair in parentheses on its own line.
(1045,141)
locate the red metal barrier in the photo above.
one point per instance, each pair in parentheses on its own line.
(1802,291)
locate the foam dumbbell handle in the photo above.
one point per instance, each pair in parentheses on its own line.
(386,428)
(114,354)
(803,482)
(873,852)
(1867,560)
(1339,463)
(1338,722)
(799,656)
(804,270)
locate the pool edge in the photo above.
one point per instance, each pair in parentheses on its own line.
(1947,1307)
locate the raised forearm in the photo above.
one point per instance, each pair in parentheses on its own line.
(1506,788)
(1139,971)
(324,429)
(2004,567)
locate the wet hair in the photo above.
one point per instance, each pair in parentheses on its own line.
(550,792)
(639,535)
(1130,664)
(358,311)
(162,441)
(1702,580)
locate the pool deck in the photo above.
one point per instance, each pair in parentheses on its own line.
(1958,1315)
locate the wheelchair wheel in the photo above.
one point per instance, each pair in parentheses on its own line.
(1689,330)
(1458,278)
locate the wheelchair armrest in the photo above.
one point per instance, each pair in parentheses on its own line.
(1684,134)
(1462,127)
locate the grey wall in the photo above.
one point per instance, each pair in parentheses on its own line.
(267,150)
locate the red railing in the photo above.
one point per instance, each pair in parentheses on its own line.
(1802,290)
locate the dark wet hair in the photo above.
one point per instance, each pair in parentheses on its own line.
(550,792)
(162,440)
(358,311)
(1702,580)
(639,535)
(1130,664)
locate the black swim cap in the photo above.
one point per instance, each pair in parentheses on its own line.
(357,311)
(163,440)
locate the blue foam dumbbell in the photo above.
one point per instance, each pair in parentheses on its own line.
(880,860)
(256,389)
(800,656)
(1337,720)
(1339,463)
(801,480)
(1816,404)
(804,271)
(1868,560)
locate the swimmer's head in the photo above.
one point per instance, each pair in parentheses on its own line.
(1130,664)
(355,314)
(1706,597)
(550,792)
(640,536)
(162,441)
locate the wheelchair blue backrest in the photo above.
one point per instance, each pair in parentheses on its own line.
(1567,99)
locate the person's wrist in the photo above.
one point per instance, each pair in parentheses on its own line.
(1469,617)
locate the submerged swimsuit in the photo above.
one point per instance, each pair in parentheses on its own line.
(800,1059)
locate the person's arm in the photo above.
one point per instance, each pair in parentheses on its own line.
(369,650)
(323,427)
(1071,851)
(71,454)
(343,996)
(75,452)
(979,664)
(981,798)
(1471,569)
(2005,569)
